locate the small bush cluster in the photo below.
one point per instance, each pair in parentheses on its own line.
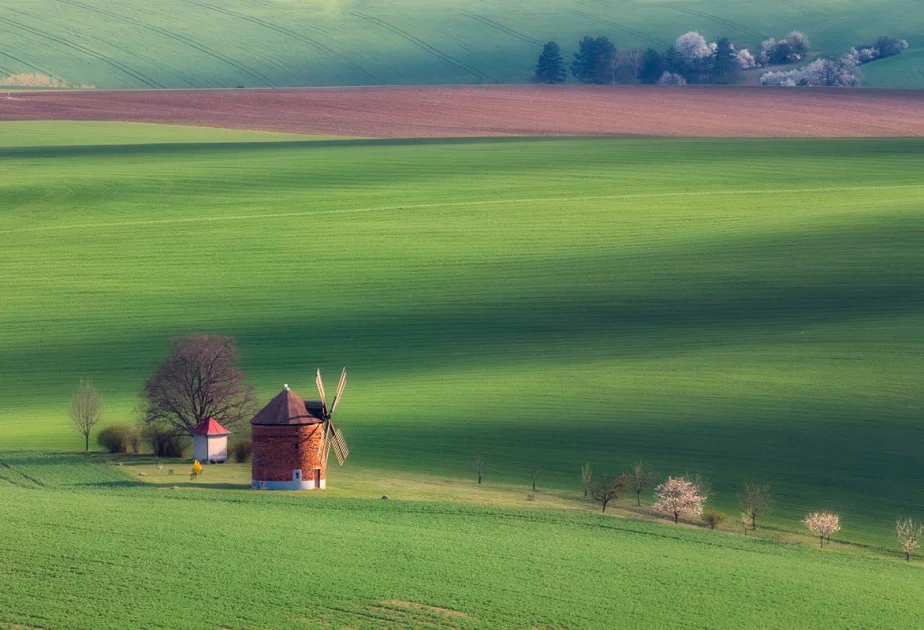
(242,451)
(884,47)
(827,71)
(164,441)
(115,438)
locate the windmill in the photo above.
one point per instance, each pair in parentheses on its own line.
(333,437)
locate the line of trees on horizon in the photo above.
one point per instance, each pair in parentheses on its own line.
(691,59)
(684,498)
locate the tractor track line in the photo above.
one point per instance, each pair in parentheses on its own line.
(502,28)
(87,51)
(29,65)
(293,34)
(599,20)
(719,20)
(426,47)
(802,8)
(461,204)
(177,37)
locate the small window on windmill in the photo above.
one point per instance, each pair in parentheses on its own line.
(296,475)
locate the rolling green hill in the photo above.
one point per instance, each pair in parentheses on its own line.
(84,546)
(203,43)
(746,309)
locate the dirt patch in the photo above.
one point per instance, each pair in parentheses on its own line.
(425,608)
(522,110)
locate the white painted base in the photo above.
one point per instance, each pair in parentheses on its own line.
(306,484)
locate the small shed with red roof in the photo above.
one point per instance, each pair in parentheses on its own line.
(210,442)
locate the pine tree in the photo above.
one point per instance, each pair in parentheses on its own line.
(595,61)
(551,65)
(652,66)
(725,66)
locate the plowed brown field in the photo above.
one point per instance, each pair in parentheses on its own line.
(402,112)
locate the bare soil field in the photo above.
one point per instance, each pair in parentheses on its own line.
(526,110)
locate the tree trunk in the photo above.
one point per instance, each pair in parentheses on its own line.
(86,441)
(534,486)
(479,479)
(585,492)
(638,499)
(821,542)
(604,506)
(754,523)
(676,516)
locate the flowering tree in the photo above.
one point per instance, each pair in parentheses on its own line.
(692,47)
(909,535)
(678,497)
(672,78)
(840,72)
(822,524)
(745,59)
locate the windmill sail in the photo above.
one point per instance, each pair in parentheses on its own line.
(339,393)
(320,385)
(341,450)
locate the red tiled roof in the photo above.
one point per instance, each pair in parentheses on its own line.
(286,408)
(210,427)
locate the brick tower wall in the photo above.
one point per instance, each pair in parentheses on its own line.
(280,449)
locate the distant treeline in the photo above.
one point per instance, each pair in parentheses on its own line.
(694,60)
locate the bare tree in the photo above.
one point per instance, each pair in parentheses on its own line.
(85,410)
(200,379)
(822,524)
(587,477)
(479,467)
(607,489)
(909,535)
(679,497)
(635,58)
(756,499)
(533,475)
(639,479)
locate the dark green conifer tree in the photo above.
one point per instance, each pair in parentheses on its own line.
(551,65)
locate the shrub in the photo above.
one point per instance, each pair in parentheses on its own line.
(671,78)
(114,438)
(134,439)
(713,518)
(243,451)
(889,46)
(164,441)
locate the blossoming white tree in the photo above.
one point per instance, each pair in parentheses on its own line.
(692,46)
(822,524)
(909,535)
(678,497)
(671,78)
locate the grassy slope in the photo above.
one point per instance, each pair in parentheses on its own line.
(906,70)
(193,43)
(708,313)
(79,542)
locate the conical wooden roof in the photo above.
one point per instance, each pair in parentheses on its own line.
(210,426)
(286,408)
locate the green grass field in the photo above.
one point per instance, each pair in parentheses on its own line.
(745,309)
(198,43)
(83,545)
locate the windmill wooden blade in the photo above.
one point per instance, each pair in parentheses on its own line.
(339,393)
(341,450)
(320,385)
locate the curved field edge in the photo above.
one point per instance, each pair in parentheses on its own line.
(744,309)
(456,111)
(193,43)
(276,561)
